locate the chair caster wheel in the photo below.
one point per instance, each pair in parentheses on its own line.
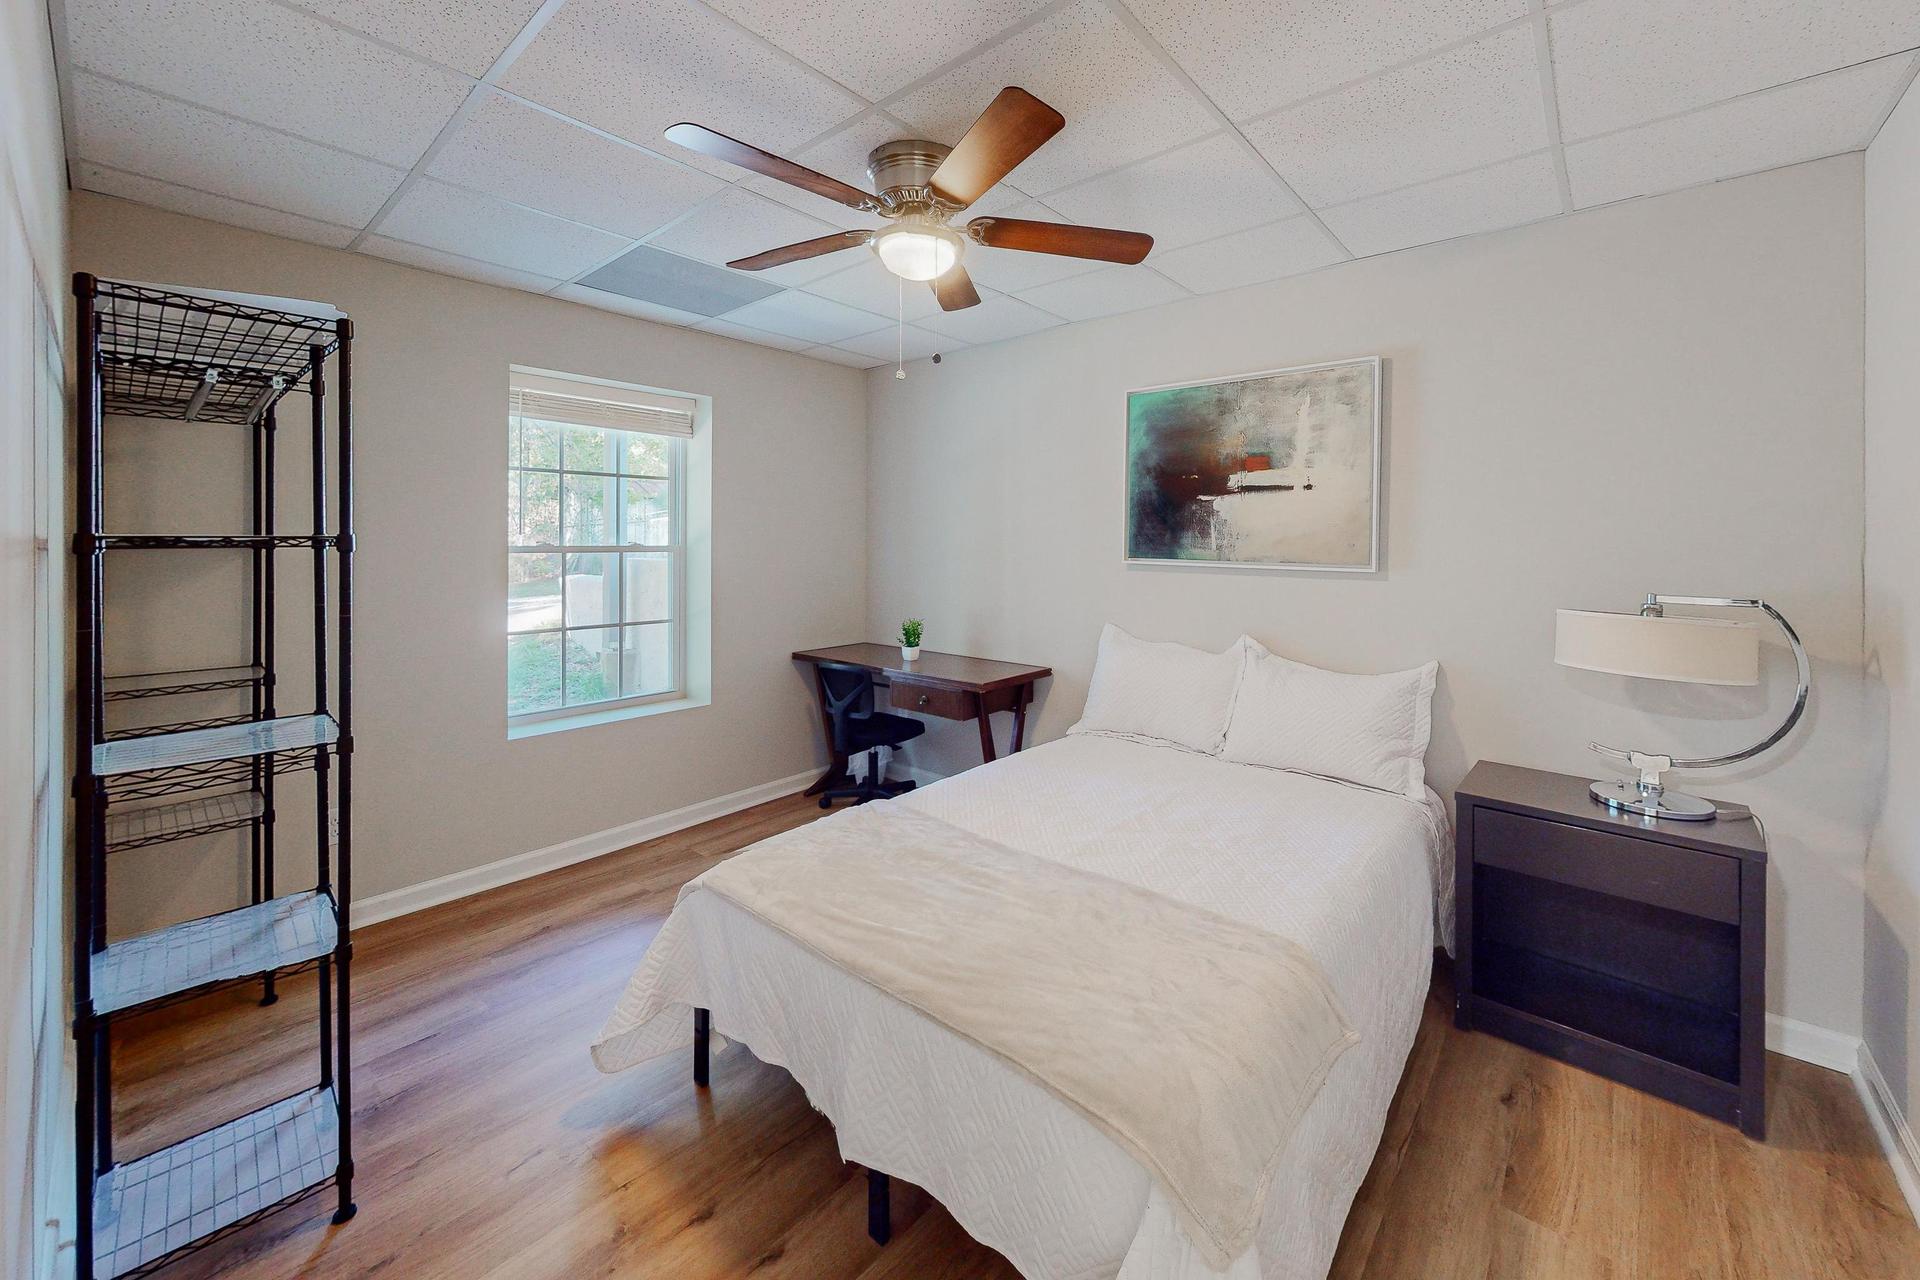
(825,803)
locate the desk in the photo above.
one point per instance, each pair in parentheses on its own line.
(948,685)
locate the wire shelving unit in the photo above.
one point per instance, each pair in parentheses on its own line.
(149,351)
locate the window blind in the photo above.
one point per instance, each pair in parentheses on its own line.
(584,404)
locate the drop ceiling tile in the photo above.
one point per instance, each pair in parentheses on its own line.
(1802,121)
(759,337)
(633,67)
(273,66)
(801,315)
(852,359)
(1120,101)
(877,50)
(1502,195)
(996,318)
(453,264)
(1623,62)
(521,153)
(1104,293)
(467,35)
(1254,55)
(1468,107)
(478,226)
(127,128)
(872,287)
(737,224)
(663,279)
(1195,192)
(627,306)
(235,213)
(1248,257)
(890,344)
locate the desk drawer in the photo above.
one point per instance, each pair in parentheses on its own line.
(1661,875)
(932,700)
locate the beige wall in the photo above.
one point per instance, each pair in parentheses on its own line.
(34,1087)
(1893,596)
(438,787)
(1661,395)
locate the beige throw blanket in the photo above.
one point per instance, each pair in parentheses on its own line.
(1193,1041)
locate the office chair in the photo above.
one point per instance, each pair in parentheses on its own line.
(846,690)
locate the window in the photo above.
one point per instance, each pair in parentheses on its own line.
(596,545)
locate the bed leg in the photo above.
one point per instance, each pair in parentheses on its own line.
(702,1027)
(879,1207)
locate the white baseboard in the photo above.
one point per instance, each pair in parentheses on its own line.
(461,884)
(1821,1047)
(1896,1139)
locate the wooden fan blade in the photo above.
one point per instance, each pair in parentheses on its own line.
(955,290)
(1058,237)
(699,138)
(1012,128)
(797,252)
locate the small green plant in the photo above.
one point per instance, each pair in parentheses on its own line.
(910,633)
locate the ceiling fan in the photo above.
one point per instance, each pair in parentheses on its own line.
(921,186)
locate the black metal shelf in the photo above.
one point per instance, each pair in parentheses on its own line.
(168,354)
(149,752)
(212,775)
(278,934)
(214,541)
(176,726)
(137,826)
(153,352)
(166,684)
(148,1211)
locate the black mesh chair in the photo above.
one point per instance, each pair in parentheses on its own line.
(858,727)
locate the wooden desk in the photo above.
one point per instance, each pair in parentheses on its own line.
(949,685)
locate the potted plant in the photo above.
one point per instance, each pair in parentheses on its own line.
(910,639)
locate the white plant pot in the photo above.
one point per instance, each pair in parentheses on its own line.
(909,653)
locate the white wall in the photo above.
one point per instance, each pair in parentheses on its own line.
(33,763)
(1893,596)
(1663,395)
(438,787)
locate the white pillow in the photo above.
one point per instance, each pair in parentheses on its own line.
(1165,692)
(1372,730)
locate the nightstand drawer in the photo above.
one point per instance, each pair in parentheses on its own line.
(932,700)
(1661,875)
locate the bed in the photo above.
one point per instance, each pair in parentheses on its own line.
(1356,876)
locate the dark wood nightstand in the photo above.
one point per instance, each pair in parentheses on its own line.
(1633,948)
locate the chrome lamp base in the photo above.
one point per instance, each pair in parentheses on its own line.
(1652,801)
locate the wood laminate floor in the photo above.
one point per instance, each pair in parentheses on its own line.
(488,1147)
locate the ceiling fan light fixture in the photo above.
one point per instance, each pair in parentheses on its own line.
(916,247)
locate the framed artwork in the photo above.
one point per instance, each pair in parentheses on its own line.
(1274,470)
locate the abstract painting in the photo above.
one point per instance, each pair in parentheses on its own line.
(1276,470)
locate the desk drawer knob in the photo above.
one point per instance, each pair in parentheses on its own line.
(924,699)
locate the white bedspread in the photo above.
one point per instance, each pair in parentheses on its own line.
(1347,873)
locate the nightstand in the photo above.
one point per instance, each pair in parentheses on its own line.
(1630,947)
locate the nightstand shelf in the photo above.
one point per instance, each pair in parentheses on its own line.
(1633,948)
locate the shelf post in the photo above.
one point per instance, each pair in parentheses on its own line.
(85,788)
(343,531)
(317,398)
(264,687)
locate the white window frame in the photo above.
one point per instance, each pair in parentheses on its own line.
(676,550)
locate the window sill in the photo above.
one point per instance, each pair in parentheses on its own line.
(607,715)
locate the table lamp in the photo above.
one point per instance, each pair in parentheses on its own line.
(1652,646)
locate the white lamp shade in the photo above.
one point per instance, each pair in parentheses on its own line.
(1690,650)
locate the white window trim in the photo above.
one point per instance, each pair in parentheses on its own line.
(689,637)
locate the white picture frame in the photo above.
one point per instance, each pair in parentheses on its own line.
(1158,522)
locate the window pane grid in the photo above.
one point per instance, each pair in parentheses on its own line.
(561,654)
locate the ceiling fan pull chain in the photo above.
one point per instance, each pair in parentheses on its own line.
(900,327)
